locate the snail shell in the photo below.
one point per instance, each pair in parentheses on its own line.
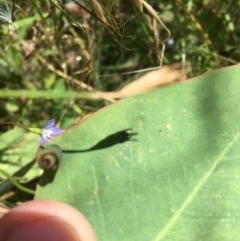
(49,158)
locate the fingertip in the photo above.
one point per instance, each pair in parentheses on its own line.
(45,220)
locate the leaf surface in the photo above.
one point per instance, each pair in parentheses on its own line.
(158,166)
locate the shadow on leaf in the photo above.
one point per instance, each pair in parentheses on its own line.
(111,140)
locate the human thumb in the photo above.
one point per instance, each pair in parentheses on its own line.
(45,220)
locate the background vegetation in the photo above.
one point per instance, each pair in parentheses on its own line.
(53,45)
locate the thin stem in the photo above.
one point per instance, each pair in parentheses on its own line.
(16,124)
(16,184)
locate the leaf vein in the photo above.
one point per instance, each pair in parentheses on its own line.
(172,222)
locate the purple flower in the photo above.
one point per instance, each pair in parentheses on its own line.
(49,131)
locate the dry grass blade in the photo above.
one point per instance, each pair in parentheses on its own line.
(154,21)
(139,5)
(77,84)
(98,10)
(147,82)
(154,14)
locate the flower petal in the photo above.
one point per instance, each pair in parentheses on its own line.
(42,141)
(56,131)
(49,131)
(50,124)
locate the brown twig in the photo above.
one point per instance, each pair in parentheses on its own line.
(69,79)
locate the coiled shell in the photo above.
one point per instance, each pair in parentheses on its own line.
(49,158)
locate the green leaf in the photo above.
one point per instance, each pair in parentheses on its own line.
(159,166)
(17,149)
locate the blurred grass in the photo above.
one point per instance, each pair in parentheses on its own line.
(59,46)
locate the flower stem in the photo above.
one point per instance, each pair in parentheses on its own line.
(16,184)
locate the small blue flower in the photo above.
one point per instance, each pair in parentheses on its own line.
(49,131)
